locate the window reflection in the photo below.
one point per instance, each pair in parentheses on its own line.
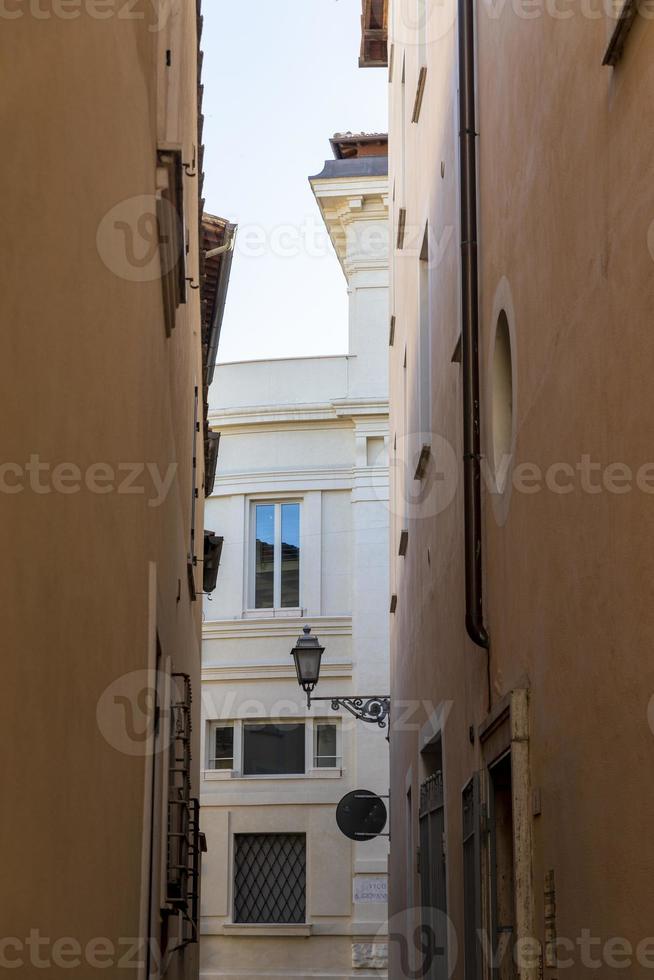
(273,750)
(265,557)
(325,747)
(290,597)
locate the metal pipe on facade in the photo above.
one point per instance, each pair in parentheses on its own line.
(470,328)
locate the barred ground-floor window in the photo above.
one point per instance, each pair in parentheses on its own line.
(270,878)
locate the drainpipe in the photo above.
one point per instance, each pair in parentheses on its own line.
(470,328)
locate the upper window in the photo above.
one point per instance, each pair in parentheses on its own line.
(273,750)
(325,746)
(277,556)
(172,234)
(223,748)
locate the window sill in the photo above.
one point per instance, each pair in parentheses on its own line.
(325,773)
(285,613)
(265,929)
(217,774)
(231,774)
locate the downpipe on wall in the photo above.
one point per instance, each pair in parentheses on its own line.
(470,330)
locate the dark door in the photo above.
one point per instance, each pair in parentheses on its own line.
(471,811)
(501,868)
(433,894)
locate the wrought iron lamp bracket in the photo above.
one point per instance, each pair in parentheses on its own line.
(373,709)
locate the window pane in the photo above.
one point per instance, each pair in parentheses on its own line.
(290,556)
(273,750)
(224,748)
(325,747)
(265,557)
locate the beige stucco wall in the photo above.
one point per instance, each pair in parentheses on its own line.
(88,377)
(565,213)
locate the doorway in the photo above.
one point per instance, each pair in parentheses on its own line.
(433,888)
(502,871)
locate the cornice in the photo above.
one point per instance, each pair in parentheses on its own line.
(344,201)
(220,673)
(227,629)
(356,407)
(297,481)
(355,187)
(264,415)
(327,476)
(333,412)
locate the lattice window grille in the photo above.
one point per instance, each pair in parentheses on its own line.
(270,878)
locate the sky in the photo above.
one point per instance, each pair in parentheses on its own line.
(279,80)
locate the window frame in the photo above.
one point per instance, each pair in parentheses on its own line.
(211,746)
(253,723)
(171,221)
(269,923)
(311,771)
(276,609)
(338,757)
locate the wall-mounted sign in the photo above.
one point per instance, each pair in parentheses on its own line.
(370,889)
(361,815)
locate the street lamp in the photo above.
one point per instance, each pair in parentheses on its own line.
(307,655)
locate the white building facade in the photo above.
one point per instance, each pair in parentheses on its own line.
(301,500)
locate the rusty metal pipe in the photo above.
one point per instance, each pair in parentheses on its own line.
(470,329)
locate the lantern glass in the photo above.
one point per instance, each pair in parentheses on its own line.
(308,666)
(307,654)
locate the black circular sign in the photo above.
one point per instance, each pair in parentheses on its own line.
(361,815)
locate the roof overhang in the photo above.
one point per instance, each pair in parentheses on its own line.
(356,167)
(346,146)
(216,232)
(374,34)
(214,280)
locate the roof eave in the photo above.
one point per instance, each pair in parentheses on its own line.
(374,34)
(218,311)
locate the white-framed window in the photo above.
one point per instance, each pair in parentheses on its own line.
(221,746)
(273,748)
(275,555)
(260,748)
(325,745)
